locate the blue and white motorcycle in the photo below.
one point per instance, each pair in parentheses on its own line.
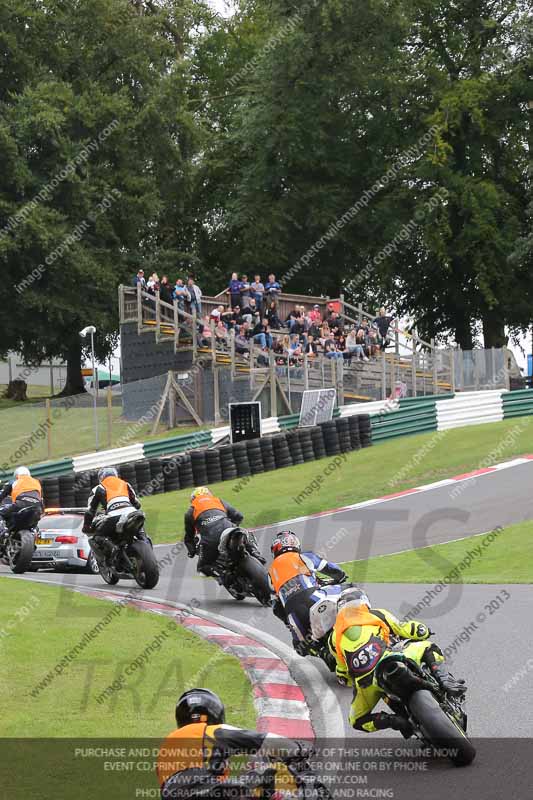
(322,616)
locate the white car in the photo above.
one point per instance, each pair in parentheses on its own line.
(60,542)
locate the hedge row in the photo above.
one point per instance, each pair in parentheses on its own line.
(227,462)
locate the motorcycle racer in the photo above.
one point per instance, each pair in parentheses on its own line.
(21,492)
(294,579)
(196,755)
(361,636)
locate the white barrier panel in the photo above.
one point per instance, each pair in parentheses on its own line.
(108,458)
(219,433)
(270,425)
(369,408)
(469,408)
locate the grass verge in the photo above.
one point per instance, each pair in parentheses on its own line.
(353,477)
(39,627)
(30,437)
(503,557)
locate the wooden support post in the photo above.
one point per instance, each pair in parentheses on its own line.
(194,336)
(139,309)
(121,304)
(413,366)
(109,414)
(384,376)
(340,382)
(434,366)
(273,386)
(213,343)
(306,371)
(232,351)
(49,428)
(493,367)
(157,316)
(397,342)
(176,326)
(392,376)
(452,368)
(162,402)
(216,395)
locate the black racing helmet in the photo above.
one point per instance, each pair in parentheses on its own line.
(199,705)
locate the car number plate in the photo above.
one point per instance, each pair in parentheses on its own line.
(43,541)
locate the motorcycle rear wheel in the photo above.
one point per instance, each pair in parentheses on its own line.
(255,573)
(147,572)
(440,730)
(20,551)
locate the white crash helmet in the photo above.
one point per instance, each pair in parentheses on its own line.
(353,597)
(21,472)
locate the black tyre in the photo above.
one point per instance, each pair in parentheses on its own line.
(440,730)
(108,575)
(185,475)
(127,473)
(142,474)
(147,571)
(256,574)
(20,551)
(92,567)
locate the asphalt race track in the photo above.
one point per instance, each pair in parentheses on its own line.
(499,642)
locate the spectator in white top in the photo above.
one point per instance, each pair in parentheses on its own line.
(196,295)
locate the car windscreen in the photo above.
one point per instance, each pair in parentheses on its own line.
(60,522)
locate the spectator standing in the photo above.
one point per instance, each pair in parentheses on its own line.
(257,291)
(139,279)
(383,322)
(196,295)
(152,283)
(234,287)
(165,290)
(181,294)
(245,290)
(272,287)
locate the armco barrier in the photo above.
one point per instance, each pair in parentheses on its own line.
(105,458)
(390,419)
(177,444)
(517,404)
(469,408)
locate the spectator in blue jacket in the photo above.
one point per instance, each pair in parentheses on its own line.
(235,286)
(181,294)
(272,287)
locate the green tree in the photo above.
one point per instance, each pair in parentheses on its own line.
(96,144)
